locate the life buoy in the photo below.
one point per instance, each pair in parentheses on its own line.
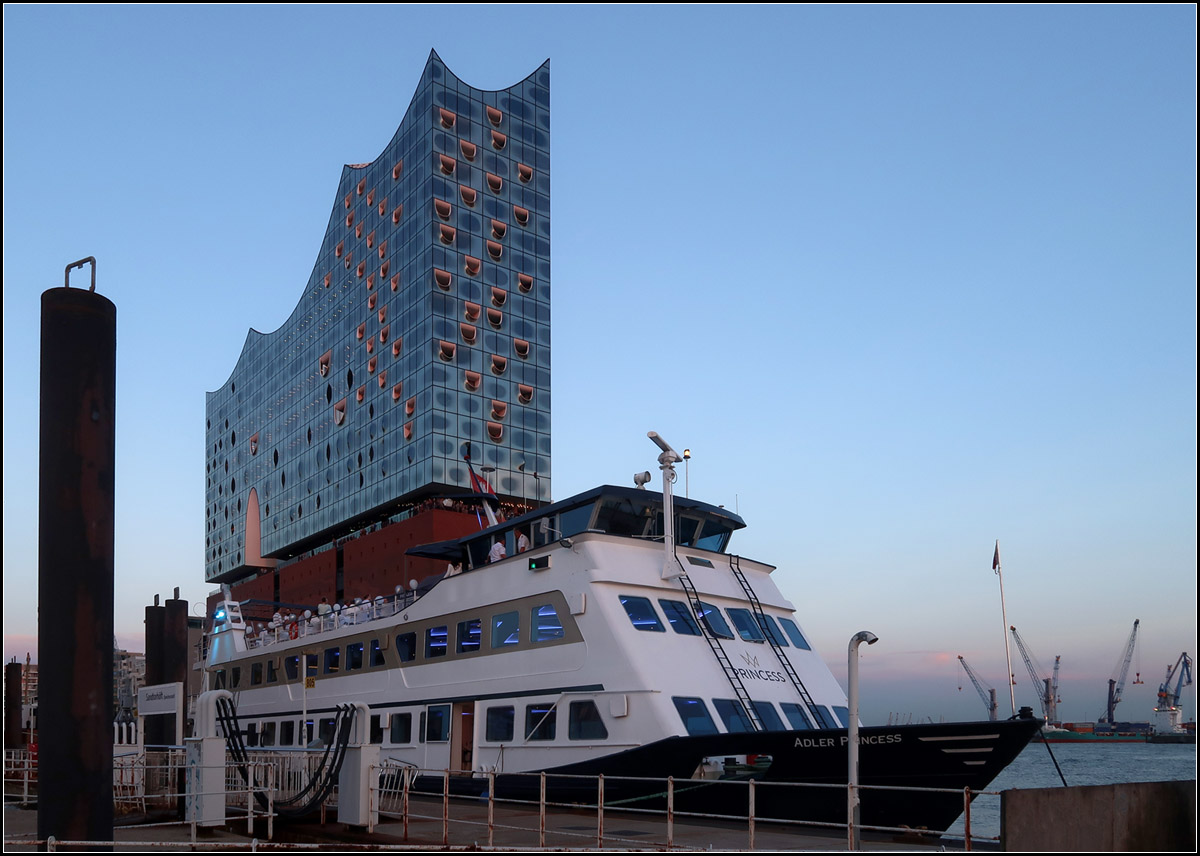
(293,631)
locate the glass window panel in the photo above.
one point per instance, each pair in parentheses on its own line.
(733,715)
(695,716)
(714,621)
(437,724)
(401,728)
(377,658)
(796,716)
(765,711)
(746,625)
(506,629)
(793,633)
(641,613)
(843,715)
(546,625)
(540,721)
(679,616)
(771,629)
(354,658)
(470,634)
(435,641)
(291,665)
(500,724)
(333,660)
(406,647)
(585,722)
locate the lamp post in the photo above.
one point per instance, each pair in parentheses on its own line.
(852,806)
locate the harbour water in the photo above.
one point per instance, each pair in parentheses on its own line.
(1081,764)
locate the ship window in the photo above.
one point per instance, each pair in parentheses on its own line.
(272,672)
(310,669)
(354,658)
(506,629)
(641,613)
(376,730)
(623,517)
(251,734)
(268,733)
(545,624)
(695,716)
(843,715)
(540,721)
(435,641)
(713,620)
(401,728)
(793,632)
(585,723)
(796,716)
(765,711)
(767,623)
(746,626)
(679,616)
(824,717)
(406,647)
(287,733)
(333,660)
(575,520)
(470,634)
(500,724)
(437,723)
(220,682)
(256,674)
(325,731)
(733,715)
(714,536)
(235,678)
(291,665)
(376,654)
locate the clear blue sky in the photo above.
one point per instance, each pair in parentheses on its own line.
(906,280)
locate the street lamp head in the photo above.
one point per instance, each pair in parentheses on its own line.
(687,453)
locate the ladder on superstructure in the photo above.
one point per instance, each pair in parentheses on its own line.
(735,566)
(718,650)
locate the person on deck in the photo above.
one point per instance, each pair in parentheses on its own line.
(497,552)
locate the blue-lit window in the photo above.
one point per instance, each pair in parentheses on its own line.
(824,717)
(771,629)
(765,711)
(843,715)
(746,626)
(733,715)
(585,722)
(696,718)
(796,716)
(354,656)
(435,641)
(793,632)
(540,721)
(679,616)
(500,724)
(713,620)
(333,660)
(406,647)
(545,624)
(641,613)
(506,629)
(470,635)
(376,654)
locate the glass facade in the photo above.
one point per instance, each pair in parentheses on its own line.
(425,325)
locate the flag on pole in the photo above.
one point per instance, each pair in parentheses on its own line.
(996,557)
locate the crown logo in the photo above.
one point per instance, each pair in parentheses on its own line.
(751,660)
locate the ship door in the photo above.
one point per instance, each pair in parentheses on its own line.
(462,737)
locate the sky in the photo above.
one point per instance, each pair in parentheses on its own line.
(906,280)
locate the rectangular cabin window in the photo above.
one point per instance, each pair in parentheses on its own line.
(401,728)
(713,620)
(506,630)
(500,724)
(268,733)
(696,718)
(540,721)
(733,715)
(793,633)
(376,654)
(354,658)
(333,660)
(220,681)
(291,667)
(843,715)
(325,731)
(746,625)
(256,674)
(679,616)
(310,665)
(796,716)
(545,624)
(251,734)
(287,733)
(437,723)
(641,613)
(406,647)
(824,716)
(435,642)
(376,729)
(585,723)
(470,636)
(765,711)
(272,672)
(771,629)
(235,677)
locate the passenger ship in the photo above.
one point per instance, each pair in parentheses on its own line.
(623,641)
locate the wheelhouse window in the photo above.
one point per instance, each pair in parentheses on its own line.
(679,616)
(793,633)
(584,722)
(470,635)
(641,613)
(540,721)
(435,642)
(765,711)
(713,620)
(406,647)
(354,659)
(401,728)
(696,718)
(733,715)
(500,724)
(506,630)
(625,516)
(545,624)
(746,626)
(796,716)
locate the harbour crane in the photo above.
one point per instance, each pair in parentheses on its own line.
(1045,688)
(986,693)
(1116,685)
(1167,712)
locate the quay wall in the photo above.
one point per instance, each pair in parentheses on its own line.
(1157,816)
